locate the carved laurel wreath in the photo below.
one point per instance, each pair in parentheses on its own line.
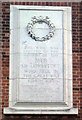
(40,20)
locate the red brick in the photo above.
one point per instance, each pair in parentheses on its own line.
(77,61)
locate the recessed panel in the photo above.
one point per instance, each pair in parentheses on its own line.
(41,62)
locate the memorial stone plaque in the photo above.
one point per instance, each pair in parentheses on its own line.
(40,60)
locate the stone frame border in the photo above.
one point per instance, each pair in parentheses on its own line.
(60,108)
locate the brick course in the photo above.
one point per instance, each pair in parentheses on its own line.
(77,59)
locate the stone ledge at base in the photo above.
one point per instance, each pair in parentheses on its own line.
(71,111)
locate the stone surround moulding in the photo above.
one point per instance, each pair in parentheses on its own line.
(18,107)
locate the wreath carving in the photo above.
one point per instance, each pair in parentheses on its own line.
(40,20)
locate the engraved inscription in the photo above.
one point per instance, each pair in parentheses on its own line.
(40,69)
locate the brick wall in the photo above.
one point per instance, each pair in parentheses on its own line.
(4,60)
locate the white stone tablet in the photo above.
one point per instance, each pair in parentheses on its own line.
(40,60)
